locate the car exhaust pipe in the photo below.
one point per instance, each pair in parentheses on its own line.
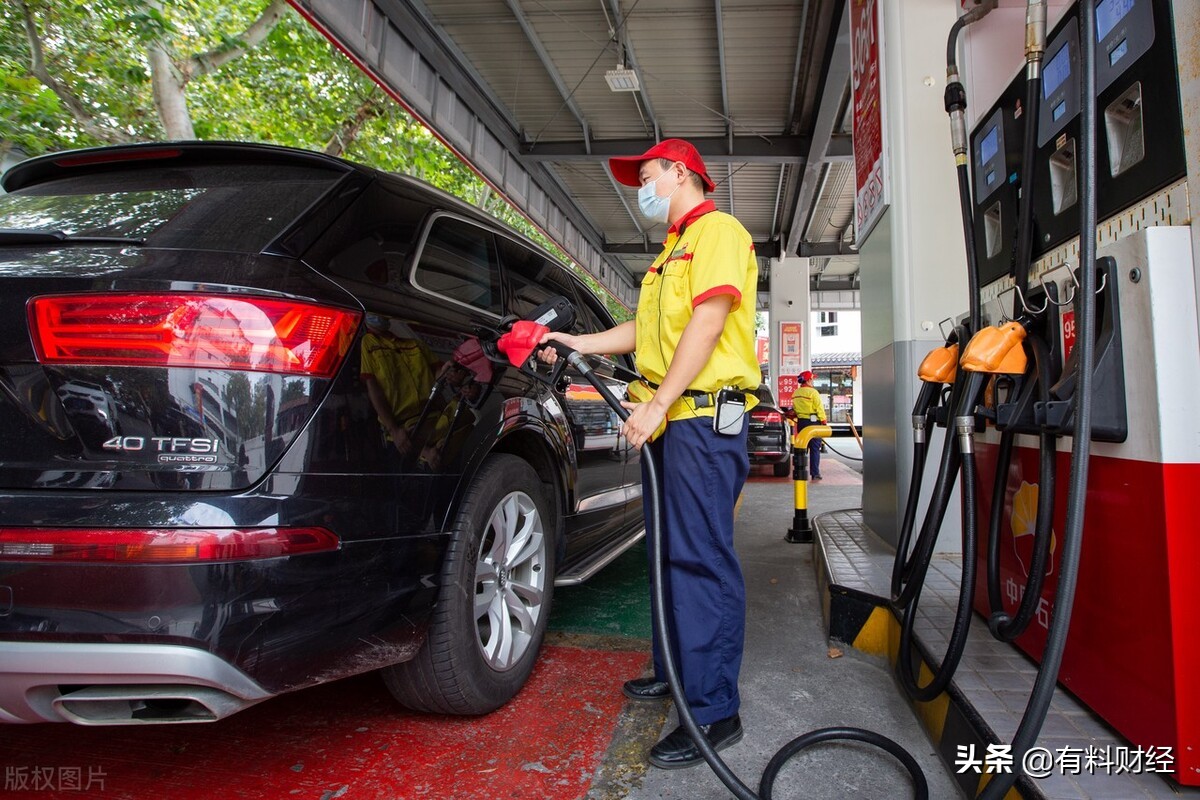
(147,705)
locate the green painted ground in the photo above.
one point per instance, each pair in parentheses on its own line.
(615,602)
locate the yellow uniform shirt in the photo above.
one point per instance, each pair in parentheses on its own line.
(404,370)
(707,253)
(807,402)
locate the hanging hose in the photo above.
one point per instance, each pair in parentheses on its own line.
(1064,600)
(686,718)
(922,421)
(963,395)
(975,317)
(1003,627)
(996,517)
(840,453)
(964,422)
(1023,254)
(953,460)
(956,107)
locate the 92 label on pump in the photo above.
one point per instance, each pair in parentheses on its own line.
(170,449)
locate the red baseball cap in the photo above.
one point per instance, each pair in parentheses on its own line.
(625,168)
(806,376)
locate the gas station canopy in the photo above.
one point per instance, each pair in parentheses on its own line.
(536,94)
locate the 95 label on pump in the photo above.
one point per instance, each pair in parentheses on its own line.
(1068,332)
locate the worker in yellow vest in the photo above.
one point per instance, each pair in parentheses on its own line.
(809,409)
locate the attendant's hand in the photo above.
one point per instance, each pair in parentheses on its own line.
(644,420)
(549,355)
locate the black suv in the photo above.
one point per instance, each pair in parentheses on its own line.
(258,437)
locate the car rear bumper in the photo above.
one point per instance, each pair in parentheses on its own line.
(769,456)
(285,622)
(119,684)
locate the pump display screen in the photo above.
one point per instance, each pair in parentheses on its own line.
(1119,52)
(1109,13)
(1057,71)
(989,146)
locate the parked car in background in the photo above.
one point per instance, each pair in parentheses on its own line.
(257,437)
(769,438)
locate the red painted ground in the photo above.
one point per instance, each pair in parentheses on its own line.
(345,740)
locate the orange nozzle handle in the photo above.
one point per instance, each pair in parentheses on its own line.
(940,365)
(520,342)
(997,349)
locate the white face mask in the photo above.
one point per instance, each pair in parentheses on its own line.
(653,207)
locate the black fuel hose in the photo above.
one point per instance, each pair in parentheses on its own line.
(1023,254)
(686,717)
(843,455)
(956,107)
(975,314)
(922,416)
(903,586)
(962,418)
(1064,599)
(996,517)
(1002,626)
(943,488)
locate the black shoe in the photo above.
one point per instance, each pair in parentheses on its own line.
(678,750)
(646,689)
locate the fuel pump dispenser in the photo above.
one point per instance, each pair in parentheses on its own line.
(1130,651)
(1088,374)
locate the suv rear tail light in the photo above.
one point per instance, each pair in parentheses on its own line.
(160,546)
(767,416)
(191,330)
(135,154)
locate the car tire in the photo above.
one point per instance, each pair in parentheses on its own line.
(783,469)
(494,601)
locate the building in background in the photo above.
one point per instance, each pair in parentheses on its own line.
(836,361)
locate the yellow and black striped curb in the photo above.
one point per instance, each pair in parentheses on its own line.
(868,623)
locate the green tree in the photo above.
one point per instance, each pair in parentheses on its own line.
(76,73)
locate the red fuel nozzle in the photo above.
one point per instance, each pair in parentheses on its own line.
(520,342)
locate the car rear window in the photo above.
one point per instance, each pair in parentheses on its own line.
(237,207)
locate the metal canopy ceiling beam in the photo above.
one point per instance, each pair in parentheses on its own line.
(825,249)
(791,115)
(724,82)
(769,249)
(836,80)
(637,222)
(840,148)
(398,44)
(839,283)
(535,42)
(745,149)
(619,29)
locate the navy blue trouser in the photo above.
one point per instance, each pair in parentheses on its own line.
(701,474)
(814,449)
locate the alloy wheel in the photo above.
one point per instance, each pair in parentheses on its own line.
(510,580)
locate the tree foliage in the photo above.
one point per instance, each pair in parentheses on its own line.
(78,73)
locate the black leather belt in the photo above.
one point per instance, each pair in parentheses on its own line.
(686,392)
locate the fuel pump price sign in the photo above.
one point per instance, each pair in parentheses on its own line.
(870,152)
(1068,333)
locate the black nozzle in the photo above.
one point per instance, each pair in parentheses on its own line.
(557,314)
